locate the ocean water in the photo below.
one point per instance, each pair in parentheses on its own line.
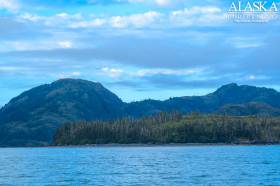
(187,165)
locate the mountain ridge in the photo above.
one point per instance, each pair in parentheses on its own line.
(32,117)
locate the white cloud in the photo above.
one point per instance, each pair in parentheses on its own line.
(78,21)
(76,73)
(245,42)
(68,75)
(198,15)
(162,2)
(139,73)
(155,2)
(57,20)
(28,45)
(194,16)
(31,17)
(136,1)
(65,44)
(12,69)
(84,24)
(112,72)
(136,20)
(254,77)
(148,72)
(11,5)
(14,45)
(201,16)
(62,19)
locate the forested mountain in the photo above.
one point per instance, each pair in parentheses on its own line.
(32,117)
(231,94)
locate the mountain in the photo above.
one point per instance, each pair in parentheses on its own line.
(32,118)
(230,94)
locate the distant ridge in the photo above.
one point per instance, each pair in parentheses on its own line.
(31,118)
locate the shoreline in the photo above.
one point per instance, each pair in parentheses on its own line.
(147,145)
(155,145)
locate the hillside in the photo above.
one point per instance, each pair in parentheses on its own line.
(31,118)
(172,128)
(252,108)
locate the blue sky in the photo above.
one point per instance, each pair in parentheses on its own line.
(139,49)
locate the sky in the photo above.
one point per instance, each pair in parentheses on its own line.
(138,49)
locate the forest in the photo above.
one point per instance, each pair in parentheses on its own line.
(165,128)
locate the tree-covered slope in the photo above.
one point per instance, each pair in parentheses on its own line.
(172,128)
(33,116)
(252,108)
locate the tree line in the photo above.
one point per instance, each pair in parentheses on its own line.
(173,127)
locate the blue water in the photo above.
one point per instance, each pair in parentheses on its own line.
(196,165)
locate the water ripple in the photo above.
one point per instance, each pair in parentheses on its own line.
(160,166)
